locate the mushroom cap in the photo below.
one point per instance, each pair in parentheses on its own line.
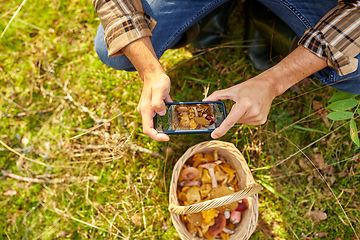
(195,219)
(209,165)
(219,225)
(244,205)
(222,191)
(189,173)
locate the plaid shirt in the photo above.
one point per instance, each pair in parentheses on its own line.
(336,38)
(123,23)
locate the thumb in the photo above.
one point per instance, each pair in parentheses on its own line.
(228,123)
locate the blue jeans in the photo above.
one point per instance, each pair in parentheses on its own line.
(176,16)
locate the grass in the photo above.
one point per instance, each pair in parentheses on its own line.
(113,182)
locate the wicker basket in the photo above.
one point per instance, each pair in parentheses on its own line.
(246,182)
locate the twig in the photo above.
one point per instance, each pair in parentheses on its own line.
(14,103)
(135,147)
(96,127)
(20,178)
(19,154)
(54,181)
(13,17)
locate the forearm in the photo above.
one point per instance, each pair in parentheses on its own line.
(296,66)
(143,57)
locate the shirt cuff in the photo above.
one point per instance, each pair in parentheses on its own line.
(121,32)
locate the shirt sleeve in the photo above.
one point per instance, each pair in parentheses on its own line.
(336,38)
(123,22)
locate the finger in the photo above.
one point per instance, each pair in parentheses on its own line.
(148,127)
(157,101)
(233,117)
(218,95)
(168,99)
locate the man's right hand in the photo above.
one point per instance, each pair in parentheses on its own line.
(156,85)
(154,95)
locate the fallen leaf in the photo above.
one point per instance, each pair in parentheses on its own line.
(319,160)
(136,219)
(329,170)
(317,105)
(318,215)
(331,179)
(321,234)
(344,172)
(304,164)
(10,193)
(63,234)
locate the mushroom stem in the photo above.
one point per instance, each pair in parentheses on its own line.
(213,178)
(229,231)
(210,167)
(186,183)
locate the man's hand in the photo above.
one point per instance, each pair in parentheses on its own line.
(156,85)
(154,95)
(252,104)
(253,98)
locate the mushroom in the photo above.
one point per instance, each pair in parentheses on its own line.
(221,176)
(229,231)
(222,191)
(210,167)
(187,183)
(195,219)
(189,173)
(216,156)
(181,109)
(235,217)
(191,228)
(227,214)
(219,225)
(243,205)
(192,196)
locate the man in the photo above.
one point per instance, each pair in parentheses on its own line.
(329,48)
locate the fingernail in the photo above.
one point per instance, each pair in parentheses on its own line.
(214,136)
(162,113)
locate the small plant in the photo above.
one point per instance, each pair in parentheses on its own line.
(340,104)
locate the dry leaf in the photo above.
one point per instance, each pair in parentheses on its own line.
(318,215)
(136,219)
(329,170)
(344,172)
(317,105)
(321,234)
(319,160)
(10,193)
(304,164)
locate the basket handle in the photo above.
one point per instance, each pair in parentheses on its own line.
(217,202)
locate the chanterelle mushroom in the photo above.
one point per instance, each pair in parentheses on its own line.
(195,219)
(210,167)
(222,191)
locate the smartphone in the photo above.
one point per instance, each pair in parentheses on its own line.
(190,117)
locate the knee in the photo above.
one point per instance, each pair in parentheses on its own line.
(118,63)
(349,83)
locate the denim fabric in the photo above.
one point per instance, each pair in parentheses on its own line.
(173,18)
(304,14)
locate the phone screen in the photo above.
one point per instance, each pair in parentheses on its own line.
(190,117)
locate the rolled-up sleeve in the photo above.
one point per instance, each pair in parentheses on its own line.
(123,23)
(336,38)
